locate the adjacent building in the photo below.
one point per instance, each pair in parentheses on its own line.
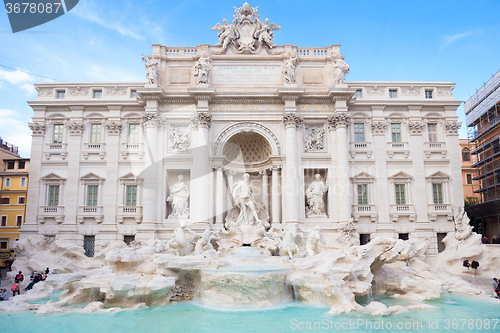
(13,195)
(467,161)
(106,155)
(483,114)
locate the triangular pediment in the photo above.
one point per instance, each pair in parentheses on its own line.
(91,176)
(363,175)
(52,176)
(439,174)
(401,175)
(130,176)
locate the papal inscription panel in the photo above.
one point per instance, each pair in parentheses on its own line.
(246,75)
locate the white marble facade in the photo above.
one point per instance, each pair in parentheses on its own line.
(106,156)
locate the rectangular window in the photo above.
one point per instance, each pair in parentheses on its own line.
(437,193)
(432,129)
(4,221)
(359,132)
(97,93)
(5,201)
(92,195)
(57,136)
(131,196)
(469,178)
(428,94)
(88,245)
(441,246)
(364,239)
(128,239)
(53,195)
(400,194)
(23,182)
(21,200)
(7,182)
(393,93)
(133,133)
(10,165)
(3,245)
(21,165)
(358,93)
(60,94)
(362,194)
(404,236)
(396,132)
(133,93)
(19,221)
(95,133)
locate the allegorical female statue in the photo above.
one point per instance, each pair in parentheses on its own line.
(314,195)
(179,195)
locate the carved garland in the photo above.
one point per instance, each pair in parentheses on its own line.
(75,128)
(114,128)
(38,129)
(415,127)
(452,127)
(249,125)
(379,127)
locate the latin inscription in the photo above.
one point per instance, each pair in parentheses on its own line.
(246,107)
(242,75)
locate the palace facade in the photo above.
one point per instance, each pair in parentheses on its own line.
(105,156)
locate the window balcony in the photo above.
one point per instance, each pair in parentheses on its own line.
(132,212)
(435,210)
(398,148)
(95,212)
(402,210)
(364,210)
(56,149)
(361,147)
(132,149)
(55,212)
(94,149)
(436,148)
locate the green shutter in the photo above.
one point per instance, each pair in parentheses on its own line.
(131,196)
(92,195)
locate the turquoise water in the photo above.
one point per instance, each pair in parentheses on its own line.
(189,317)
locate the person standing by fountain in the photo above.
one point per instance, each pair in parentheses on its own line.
(474,265)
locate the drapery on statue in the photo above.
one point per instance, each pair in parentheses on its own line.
(151,69)
(264,33)
(243,198)
(179,195)
(462,227)
(341,68)
(288,68)
(202,68)
(226,33)
(314,197)
(179,141)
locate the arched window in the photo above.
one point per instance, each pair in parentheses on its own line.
(465,155)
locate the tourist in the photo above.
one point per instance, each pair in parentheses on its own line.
(47,271)
(495,287)
(466,264)
(35,278)
(484,240)
(15,289)
(495,240)
(474,265)
(19,277)
(5,295)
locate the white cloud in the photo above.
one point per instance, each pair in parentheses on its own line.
(88,10)
(29,88)
(15,77)
(447,40)
(15,130)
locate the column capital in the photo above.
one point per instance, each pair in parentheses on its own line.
(152,120)
(379,127)
(276,167)
(37,129)
(229,172)
(452,127)
(291,120)
(113,128)
(75,128)
(416,127)
(202,120)
(339,120)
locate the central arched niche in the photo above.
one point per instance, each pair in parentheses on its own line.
(247,148)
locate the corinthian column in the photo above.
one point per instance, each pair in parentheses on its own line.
(275,193)
(291,168)
(219,195)
(341,120)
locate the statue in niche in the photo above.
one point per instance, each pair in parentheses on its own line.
(226,33)
(151,69)
(247,221)
(341,68)
(462,227)
(313,238)
(179,141)
(314,197)
(288,68)
(315,138)
(202,68)
(264,33)
(179,195)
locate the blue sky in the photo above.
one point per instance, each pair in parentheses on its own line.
(457,41)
